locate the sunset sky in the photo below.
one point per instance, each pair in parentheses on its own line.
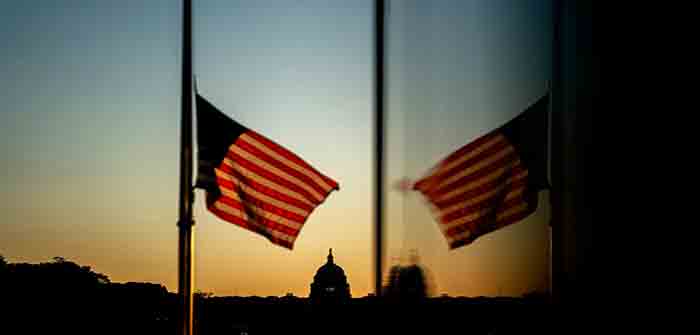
(89,132)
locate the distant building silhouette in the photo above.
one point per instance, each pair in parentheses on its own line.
(330,284)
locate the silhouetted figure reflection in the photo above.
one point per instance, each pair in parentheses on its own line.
(407,283)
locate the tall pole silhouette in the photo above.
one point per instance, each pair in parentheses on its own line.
(185,221)
(379,142)
(556,161)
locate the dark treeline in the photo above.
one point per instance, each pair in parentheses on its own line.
(62,297)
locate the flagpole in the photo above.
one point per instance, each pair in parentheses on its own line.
(555,159)
(379,143)
(549,180)
(185,221)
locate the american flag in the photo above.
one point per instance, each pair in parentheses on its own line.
(491,182)
(253,182)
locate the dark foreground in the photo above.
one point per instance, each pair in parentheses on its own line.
(62,297)
(148,312)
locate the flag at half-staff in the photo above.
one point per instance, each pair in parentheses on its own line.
(253,182)
(491,182)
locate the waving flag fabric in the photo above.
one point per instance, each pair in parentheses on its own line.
(253,182)
(491,182)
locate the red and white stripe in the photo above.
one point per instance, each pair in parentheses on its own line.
(477,189)
(268,189)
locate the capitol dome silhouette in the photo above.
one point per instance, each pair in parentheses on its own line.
(330,284)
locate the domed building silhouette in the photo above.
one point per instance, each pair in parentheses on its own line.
(330,284)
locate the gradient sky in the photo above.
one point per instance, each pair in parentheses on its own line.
(89,132)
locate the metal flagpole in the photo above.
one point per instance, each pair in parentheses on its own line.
(185,221)
(549,180)
(555,159)
(379,142)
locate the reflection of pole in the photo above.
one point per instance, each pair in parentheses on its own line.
(379,142)
(556,162)
(549,259)
(551,191)
(185,222)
